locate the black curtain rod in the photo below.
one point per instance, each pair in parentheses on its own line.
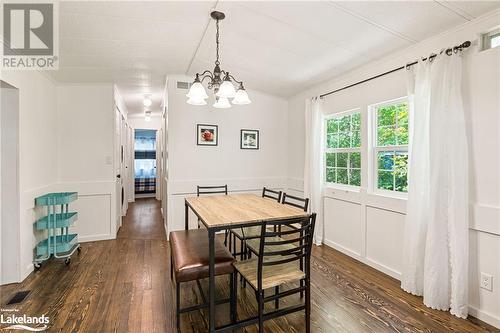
(449,51)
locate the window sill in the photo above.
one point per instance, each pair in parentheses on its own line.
(345,188)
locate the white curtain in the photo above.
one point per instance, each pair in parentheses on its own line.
(436,254)
(313,167)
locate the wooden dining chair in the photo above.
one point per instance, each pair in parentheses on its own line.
(246,233)
(206,190)
(278,263)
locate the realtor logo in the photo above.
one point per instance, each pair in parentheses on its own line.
(29,36)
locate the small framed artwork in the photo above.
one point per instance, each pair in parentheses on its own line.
(249,139)
(207,135)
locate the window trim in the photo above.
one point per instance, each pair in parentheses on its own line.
(326,150)
(374,149)
(487,37)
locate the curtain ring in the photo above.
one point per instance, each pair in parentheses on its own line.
(408,66)
(432,56)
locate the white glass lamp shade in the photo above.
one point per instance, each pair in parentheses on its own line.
(147,102)
(147,116)
(196,101)
(226,90)
(197,92)
(222,103)
(241,97)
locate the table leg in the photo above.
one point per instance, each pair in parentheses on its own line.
(186,216)
(211,281)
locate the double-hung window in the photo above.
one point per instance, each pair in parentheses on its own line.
(390,138)
(343,148)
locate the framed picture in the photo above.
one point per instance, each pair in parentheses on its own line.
(249,139)
(207,135)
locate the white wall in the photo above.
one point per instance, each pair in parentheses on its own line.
(85,156)
(9,192)
(37,151)
(242,170)
(370,227)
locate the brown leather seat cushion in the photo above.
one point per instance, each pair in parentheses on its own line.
(190,255)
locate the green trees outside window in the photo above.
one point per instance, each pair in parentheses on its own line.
(343,153)
(392,147)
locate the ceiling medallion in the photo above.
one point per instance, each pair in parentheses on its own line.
(219,80)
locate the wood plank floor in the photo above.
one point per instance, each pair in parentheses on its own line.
(123,285)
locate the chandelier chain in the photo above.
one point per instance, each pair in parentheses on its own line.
(217,62)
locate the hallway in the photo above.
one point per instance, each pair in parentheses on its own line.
(123,285)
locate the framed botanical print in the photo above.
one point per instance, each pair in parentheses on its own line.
(249,139)
(207,135)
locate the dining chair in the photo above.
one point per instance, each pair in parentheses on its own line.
(205,190)
(189,261)
(302,203)
(278,263)
(246,233)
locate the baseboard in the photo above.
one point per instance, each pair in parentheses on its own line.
(484,316)
(379,267)
(94,238)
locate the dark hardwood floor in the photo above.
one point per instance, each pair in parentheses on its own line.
(124,285)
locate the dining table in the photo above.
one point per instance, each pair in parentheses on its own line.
(222,212)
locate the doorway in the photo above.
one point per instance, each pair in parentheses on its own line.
(9,192)
(145,163)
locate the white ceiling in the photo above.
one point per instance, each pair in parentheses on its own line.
(277,47)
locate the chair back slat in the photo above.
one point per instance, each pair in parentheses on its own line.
(302,203)
(272,194)
(295,250)
(201,190)
(283,261)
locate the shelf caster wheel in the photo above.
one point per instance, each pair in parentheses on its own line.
(37,266)
(79,250)
(67,261)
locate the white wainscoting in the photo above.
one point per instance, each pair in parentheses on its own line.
(370,228)
(96,207)
(96,210)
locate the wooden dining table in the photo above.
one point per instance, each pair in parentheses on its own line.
(224,212)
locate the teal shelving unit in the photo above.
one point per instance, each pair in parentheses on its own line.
(59,242)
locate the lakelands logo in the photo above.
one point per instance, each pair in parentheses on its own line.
(29,36)
(24,322)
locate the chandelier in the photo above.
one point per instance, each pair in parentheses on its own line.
(219,80)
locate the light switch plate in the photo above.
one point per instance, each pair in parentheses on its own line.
(486,281)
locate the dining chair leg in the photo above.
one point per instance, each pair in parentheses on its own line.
(308,305)
(234,297)
(178,305)
(261,311)
(277,300)
(171,267)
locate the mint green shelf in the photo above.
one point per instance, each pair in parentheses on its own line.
(62,220)
(61,198)
(64,244)
(59,243)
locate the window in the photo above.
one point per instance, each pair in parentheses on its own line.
(391,145)
(491,39)
(343,149)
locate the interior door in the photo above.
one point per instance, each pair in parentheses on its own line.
(123,166)
(158,164)
(118,179)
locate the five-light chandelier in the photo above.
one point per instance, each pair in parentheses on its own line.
(220,81)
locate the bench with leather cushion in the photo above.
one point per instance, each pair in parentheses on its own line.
(190,255)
